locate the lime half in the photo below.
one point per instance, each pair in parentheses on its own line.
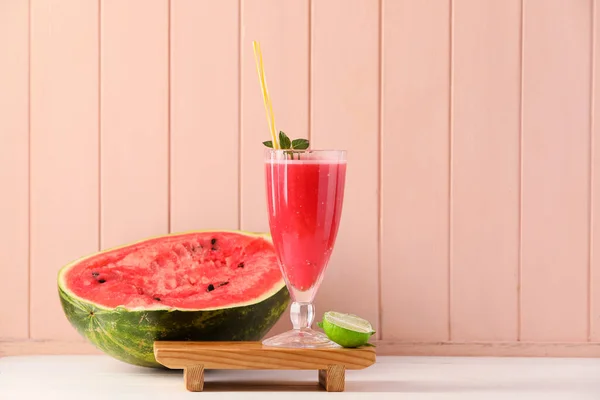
(347,330)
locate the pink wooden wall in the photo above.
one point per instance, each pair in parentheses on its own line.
(471,125)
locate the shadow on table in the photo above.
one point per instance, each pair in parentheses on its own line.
(386,386)
(257,386)
(457,387)
(221,381)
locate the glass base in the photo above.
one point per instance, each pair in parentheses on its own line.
(305,338)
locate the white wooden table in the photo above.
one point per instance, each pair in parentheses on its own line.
(100,377)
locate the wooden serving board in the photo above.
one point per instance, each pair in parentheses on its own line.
(195,357)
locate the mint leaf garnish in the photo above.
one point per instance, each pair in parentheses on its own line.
(287,144)
(300,144)
(284,141)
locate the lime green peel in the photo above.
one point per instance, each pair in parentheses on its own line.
(347,330)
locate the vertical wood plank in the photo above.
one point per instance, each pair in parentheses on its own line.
(134,120)
(594,315)
(64,151)
(485,170)
(555,197)
(415,164)
(345,115)
(204,114)
(282,28)
(14,169)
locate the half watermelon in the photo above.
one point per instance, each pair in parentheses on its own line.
(202,285)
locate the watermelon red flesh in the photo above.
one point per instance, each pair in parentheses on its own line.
(200,271)
(124,299)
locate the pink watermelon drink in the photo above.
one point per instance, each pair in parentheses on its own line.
(305,190)
(305,193)
(305,203)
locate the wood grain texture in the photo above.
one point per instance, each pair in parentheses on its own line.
(204,115)
(253,355)
(282,28)
(485,170)
(384,347)
(345,115)
(14,169)
(134,120)
(64,151)
(415,165)
(594,315)
(333,379)
(193,378)
(555,174)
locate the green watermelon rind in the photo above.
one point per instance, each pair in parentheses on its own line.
(128,334)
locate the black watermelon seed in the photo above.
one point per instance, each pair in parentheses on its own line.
(241,265)
(210,288)
(213,241)
(101,280)
(223,284)
(95,274)
(157,298)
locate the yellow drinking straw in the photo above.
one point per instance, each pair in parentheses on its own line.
(265,92)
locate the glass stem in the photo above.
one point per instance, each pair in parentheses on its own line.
(302,315)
